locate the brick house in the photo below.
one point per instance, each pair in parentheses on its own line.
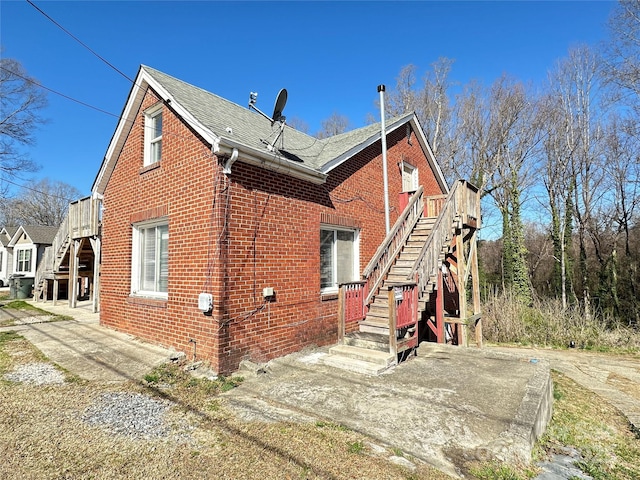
(200,199)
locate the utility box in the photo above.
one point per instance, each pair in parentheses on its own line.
(205,302)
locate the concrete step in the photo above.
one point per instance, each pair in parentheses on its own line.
(353,365)
(371,341)
(375,357)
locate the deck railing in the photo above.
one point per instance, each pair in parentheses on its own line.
(433,205)
(351,309)
(381,262)
(403,317)
(84,218)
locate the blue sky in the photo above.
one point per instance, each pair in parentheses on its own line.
(330,56)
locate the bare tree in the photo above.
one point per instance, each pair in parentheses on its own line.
(298,124)
(334,125)
(622,203)
(404,98)
(500,133)
(39,203)
(579,82)
(622,51)
(431,104)
(20,103)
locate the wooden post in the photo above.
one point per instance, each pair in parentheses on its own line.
(440,308)
(462,288)
(73,273)
(55,291)
(341,314)
(393,340)
(96,246)
(475,293)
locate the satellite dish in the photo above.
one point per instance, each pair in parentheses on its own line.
(277,116)
(281,101)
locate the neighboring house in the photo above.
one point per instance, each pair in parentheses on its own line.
(224,243)
(28,244)
(6,254)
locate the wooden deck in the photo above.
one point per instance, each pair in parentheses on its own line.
(73,261)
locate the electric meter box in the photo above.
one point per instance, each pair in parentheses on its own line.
(205,302)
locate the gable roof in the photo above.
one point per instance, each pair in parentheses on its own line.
(38,234)
(227,126)
(6,233)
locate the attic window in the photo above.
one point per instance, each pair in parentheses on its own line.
(153,135)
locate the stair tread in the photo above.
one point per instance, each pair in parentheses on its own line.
(363,354)
(354,365)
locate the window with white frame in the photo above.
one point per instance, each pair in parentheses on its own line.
(23,260)
(153,135)
(1,261)
(150,259)
(409,178)
(339,257)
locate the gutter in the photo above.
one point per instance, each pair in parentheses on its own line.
(271,161)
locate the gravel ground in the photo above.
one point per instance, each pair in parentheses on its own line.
(121,413)
(36,374)
(130,414)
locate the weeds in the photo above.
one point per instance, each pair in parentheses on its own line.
(546,323)
(495,471)
(356,447)
(194,390)
(594,428)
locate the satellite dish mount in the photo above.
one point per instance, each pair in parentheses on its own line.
(277,115)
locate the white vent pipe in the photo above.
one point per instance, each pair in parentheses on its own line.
(381,89)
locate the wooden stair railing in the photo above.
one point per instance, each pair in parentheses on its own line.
(430,257)
(379,265)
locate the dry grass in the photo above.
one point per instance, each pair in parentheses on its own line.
(545,323)
(44,436)
(596,429)
(583,421)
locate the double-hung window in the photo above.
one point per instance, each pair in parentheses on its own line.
(153,135)
(150,269)
(23,260)
(339,257)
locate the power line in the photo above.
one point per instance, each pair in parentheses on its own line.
(80,102)
(37,191)
(78,40)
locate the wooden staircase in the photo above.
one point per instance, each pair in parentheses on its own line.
(74,254)
(410,270)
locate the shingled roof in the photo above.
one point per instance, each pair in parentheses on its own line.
(228,126)
(39,235)
(6,233)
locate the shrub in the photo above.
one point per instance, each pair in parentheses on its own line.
(546,323)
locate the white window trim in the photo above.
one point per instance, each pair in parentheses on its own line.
(135,260)
(149,114)
(17,259)
(356,254)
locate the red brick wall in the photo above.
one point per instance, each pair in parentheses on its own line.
(234,236)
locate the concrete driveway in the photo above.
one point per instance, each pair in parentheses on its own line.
(83,346)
